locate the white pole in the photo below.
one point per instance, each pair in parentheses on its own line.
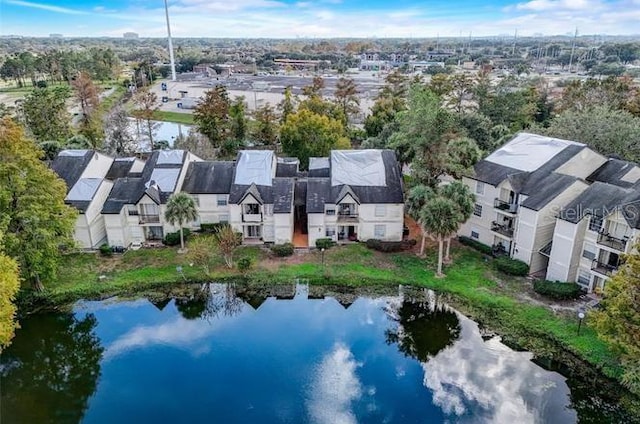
(173,63)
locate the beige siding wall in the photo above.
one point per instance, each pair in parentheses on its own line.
(568,239)
(583,164)
(482,224)
(209,211)
(98,167)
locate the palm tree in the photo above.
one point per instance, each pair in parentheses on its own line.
(181,208)
(464,200)
(440,218)
(416,200)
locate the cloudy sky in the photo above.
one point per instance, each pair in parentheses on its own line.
(319,18)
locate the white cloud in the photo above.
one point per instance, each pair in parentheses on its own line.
(335,387)
(503,386)
(41,6)
(179,333)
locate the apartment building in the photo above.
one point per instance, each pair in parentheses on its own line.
(133,212)
(598,227)
(519,190)
(349,196)
(355,195)
(85,174)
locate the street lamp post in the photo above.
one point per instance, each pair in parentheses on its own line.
(179,271)
(322,250)
(581,314)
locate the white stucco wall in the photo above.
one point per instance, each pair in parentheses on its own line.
(568,239)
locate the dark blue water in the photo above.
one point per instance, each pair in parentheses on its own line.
(220,354)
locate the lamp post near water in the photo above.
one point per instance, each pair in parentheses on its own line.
(322,250)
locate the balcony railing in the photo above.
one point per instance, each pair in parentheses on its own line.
(603,268)
(251,217)
(348,216)
(502,229)
(149,219)
(613,242)
(505,206)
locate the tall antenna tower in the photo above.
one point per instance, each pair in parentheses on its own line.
(173,62)
(515,40)
(573,48)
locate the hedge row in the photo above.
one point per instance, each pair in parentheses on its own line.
(511,266)
(557,290)
(173,239)
(390,246)
(475,244)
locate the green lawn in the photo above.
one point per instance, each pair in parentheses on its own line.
(471,285)
(177,117)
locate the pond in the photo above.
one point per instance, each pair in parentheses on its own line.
(283,354)
(163,131)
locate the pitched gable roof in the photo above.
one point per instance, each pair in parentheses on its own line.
(209,177)
(70,164)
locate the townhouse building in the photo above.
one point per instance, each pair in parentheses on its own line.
(85,174)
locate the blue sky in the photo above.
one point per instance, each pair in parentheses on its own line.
(319,18)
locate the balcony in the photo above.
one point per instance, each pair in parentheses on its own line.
(251,217)
(603,268)
(619,244)
(502,229)
(149,219)
(348,217)
(503,206)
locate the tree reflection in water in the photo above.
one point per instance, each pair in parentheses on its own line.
(49,376)
(425,326)
(209,301)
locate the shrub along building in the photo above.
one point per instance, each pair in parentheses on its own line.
(349,196)
(557,205)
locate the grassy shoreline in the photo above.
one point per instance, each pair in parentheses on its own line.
(176,117)
(470,285)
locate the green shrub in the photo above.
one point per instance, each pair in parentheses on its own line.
(475,244)
(105,250)
(511,266)
(173,239)
(390,246)
(212,228)
(557,290)
(244,264)
(282,250)
(324,243)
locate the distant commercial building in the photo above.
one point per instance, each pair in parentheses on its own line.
(130,35)
(56,36)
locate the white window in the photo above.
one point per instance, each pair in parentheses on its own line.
(584,277)
(379,231)
(589,251)
(477,209)
(479,187)
(381,210)
(475,234)
(132,210)
(330,212)
(330,232)
(222,200)
(268,210)
(224,217)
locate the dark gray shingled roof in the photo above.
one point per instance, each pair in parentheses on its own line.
(238,193)
(300,194)
(492,173)
(283,195)
(125,191)
(550,188)
(120,168)
(287,167)
(318,193)
(600,199)
(81,205)
(319,167)
(612,171)
(211,177)
(70,168)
